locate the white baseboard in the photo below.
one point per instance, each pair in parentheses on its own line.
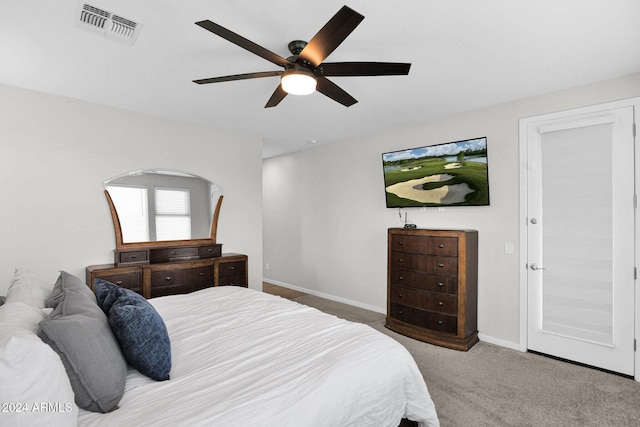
(500,342)
(327,296)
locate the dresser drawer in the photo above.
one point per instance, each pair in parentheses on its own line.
(178,288)
(132,281)
(433,245)
(210,251)
(163,255)
(433,301)
(132,257)
(447,284)
(431,320)
(433,264)
(231,269)
(232,273)
(182,275)
(180,280)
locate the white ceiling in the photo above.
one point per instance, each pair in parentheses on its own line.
(465,54)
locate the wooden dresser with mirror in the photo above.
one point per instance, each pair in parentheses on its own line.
(148,209)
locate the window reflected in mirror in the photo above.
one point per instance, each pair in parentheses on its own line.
(162,205)
(173,217)
(133,211)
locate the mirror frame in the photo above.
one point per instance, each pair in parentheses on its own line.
(160,244)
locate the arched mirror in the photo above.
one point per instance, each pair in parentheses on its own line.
(155,208)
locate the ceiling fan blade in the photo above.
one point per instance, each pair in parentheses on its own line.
(278,95)
(364,69)
(330,36)
(243,43)
(333,91)
(238,77)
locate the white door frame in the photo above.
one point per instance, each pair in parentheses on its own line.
(524,124)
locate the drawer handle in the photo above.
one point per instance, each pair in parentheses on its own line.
(441,246)
(401,260)
(232,268)
(134,256)
(400,312)
(440,265)
(401,243)
(119,283)
(167,278)
(399,295)
(440,303)
(440,322)
(440,284)
(401,278)
(173,252)
(210,250)
(202,273)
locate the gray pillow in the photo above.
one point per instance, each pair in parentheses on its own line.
(79,332)
(67,281)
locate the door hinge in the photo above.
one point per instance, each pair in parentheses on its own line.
(634,344)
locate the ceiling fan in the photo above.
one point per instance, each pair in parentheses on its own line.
(304,72)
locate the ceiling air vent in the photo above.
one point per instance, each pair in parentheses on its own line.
(107,24)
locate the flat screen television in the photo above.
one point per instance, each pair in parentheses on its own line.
(450,174)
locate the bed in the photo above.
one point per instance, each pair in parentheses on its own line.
(245,358)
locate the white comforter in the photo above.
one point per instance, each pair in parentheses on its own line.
(245,358)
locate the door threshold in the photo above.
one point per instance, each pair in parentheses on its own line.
(573,362)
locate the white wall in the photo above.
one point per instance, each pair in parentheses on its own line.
(55,152)
(325,220)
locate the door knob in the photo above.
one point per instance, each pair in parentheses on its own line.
(537,267)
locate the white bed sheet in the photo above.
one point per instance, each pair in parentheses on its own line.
(245,358)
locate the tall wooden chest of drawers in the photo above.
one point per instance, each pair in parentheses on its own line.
(432,286)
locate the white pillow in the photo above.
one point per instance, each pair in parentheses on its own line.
(34,387)
(17,318)
(29,288)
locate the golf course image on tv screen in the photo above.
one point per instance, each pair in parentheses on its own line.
(450,174)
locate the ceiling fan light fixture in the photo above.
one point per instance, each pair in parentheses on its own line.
(298,82)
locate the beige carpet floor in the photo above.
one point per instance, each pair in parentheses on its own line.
(495,386)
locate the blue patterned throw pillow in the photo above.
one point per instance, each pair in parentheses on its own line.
(138,327)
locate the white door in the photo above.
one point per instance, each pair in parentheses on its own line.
(580,238)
